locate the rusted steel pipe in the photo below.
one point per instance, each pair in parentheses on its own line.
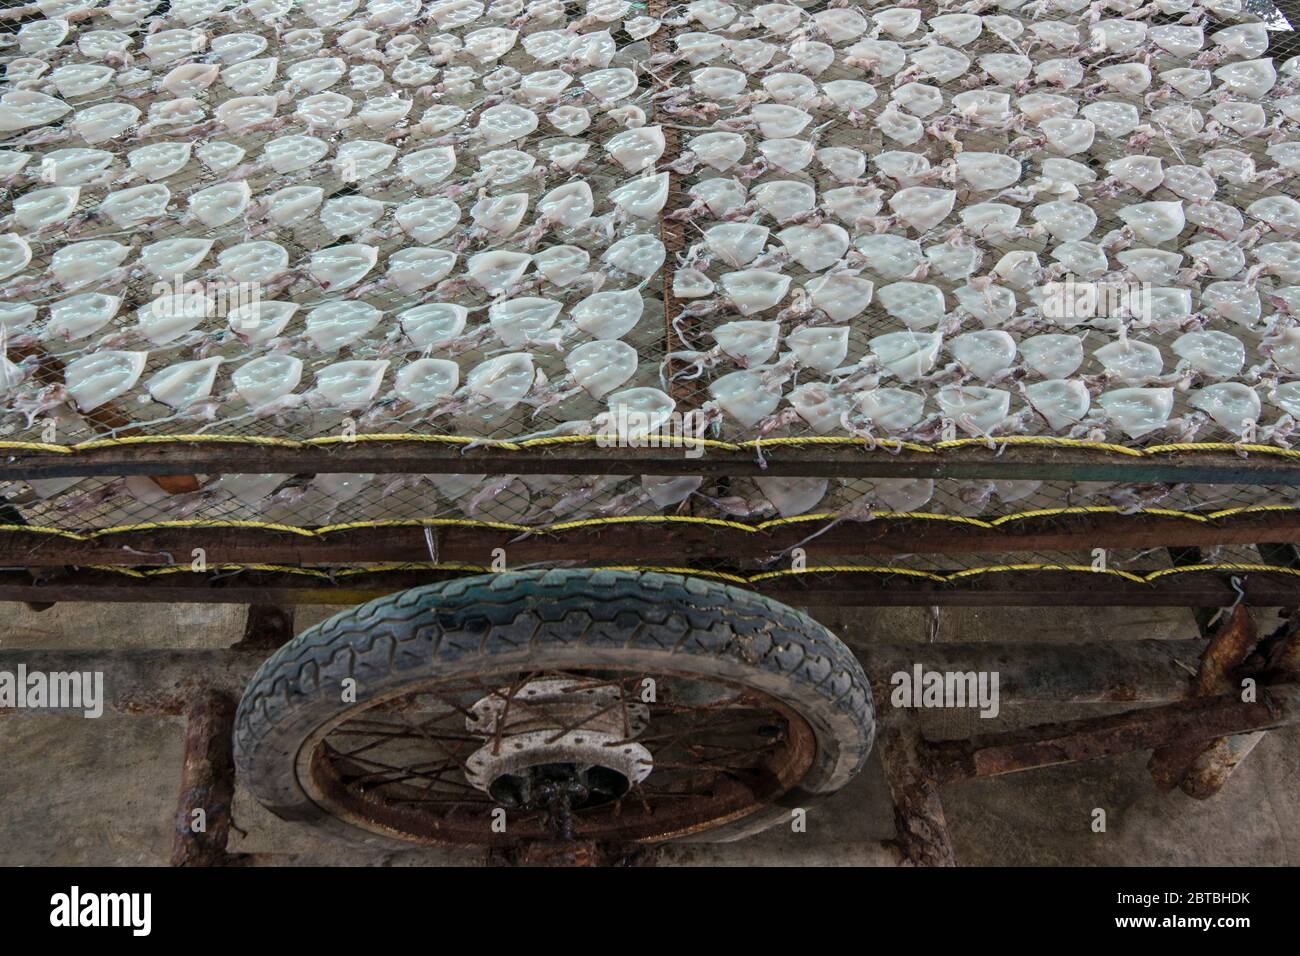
(1284,654)
(1229,646)
(1279,654)
(1202,718)
(1010,589)
(1212,768)
(207,783)
(1003,462)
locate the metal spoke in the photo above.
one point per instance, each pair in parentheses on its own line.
(703,755)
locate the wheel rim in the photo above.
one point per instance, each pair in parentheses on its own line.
(420,763)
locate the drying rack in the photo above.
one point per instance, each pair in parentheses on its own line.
(1231,540)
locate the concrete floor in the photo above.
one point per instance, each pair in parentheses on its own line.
(103,792)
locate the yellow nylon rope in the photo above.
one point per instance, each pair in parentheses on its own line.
(941,577)
(562,526)
(755,444)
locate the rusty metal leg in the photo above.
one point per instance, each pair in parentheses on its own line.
(1195,719)
(1211,770)
(1229,647)
(268,627)
(1212,767)
(203,816)
(1278,655)
(922,831)
(1208,770)
(10,515)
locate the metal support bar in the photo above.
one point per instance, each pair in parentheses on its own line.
(665,541)
(1279,653)
(823,589)
(1201,718)
(1208,771)
(1211,770)
(1007,462)
(1228,648)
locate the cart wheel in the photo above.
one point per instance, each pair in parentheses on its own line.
(613,706)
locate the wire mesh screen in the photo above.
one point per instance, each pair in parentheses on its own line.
(448,65)
(956,257)
(538,501)
(366,198)
(557,506)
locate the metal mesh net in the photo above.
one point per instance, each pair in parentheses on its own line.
(316,500)
(946,267)
(312,501)
(213,335)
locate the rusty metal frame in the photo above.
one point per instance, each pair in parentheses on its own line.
(916,768)
(1005,460)
(675,542)
(1196,739)
(57,564)
(268,565)
(842,589)
(203,685)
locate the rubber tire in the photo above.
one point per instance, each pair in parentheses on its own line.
(553,619)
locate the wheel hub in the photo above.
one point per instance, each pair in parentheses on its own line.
(558,745)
